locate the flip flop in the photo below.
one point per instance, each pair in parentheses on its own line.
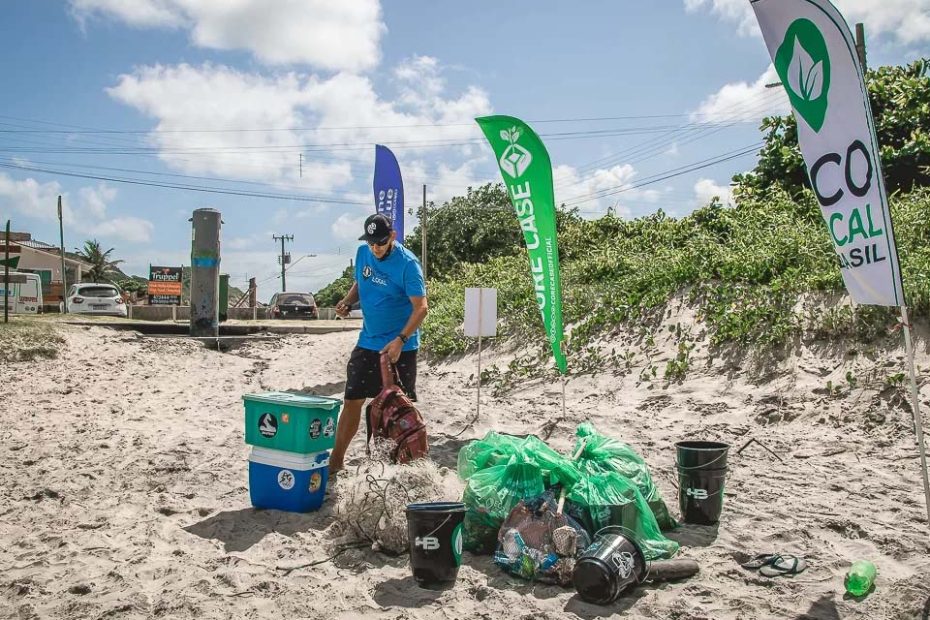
(785,565)
(763,559)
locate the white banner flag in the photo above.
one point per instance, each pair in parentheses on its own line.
(815,56)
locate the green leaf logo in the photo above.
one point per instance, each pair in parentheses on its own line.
(803,64)
(515,159)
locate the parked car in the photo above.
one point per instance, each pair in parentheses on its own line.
(293,306)
(96,298)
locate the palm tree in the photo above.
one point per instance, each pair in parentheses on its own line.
(101,265)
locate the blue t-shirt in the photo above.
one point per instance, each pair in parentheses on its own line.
(384,290)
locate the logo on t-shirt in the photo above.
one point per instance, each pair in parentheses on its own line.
(366,272)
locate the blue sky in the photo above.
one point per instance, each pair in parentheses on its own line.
(211,94)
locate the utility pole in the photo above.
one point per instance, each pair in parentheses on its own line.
(860,45)
(423,228)
(252,292)
(64,278)
(285,258)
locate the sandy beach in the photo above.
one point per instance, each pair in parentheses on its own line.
(125,483)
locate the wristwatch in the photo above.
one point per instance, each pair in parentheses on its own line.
(403,338)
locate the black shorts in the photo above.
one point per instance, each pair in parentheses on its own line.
(363,374)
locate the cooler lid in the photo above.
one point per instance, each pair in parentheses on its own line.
(295,400)
(289,460)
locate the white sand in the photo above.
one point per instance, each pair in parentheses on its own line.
(125,494)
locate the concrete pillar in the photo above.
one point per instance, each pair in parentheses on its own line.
(205,271)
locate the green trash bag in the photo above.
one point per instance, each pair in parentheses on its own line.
(602,454)
(498,449)
(604,499)
(494,449)
(490,495)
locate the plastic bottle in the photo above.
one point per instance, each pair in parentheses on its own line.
(513,544)
(860,578)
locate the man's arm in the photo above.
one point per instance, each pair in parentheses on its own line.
(420,310)
(345,304)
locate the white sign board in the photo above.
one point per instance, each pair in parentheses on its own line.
(480,312)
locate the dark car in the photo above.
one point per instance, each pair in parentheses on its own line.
(293,306)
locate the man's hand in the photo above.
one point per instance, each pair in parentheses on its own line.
(342,308)
(393,350)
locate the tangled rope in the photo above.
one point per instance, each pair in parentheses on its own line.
(371,502)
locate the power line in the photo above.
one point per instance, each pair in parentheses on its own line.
(662,176)
(91,130)
(194,188)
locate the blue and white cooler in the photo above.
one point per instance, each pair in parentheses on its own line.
(289,481)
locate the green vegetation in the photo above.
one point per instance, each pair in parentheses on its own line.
(744,268)
(329,295)
(101,267)
(900,100)
(756,273)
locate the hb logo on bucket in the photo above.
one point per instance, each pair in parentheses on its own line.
(697,493)
(429,543)
(624,563)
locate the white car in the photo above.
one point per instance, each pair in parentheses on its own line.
(95,298)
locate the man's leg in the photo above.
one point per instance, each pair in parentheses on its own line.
(345,431)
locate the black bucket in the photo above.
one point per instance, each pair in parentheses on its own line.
(435,533)
(700,495)
(610,565)
(701,454)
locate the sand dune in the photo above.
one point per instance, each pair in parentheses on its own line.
(125,484)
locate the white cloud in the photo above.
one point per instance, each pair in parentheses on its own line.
(706,190)
(94,200)
(30,198)
(907,20)
(601,190)
(348,227)
(738,11)
(131,229)
(448,181)
(744,101)
(240,243)
(311,114)
(138,13)
(336,36)
(39,201)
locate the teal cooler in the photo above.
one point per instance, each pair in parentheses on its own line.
(299,423)
(282,480)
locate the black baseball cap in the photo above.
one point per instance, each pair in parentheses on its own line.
(378,229)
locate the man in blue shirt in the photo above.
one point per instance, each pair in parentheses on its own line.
(389,284)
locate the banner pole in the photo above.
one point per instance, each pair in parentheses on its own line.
(6,275)
(480,312)
(915,397)
(478,408)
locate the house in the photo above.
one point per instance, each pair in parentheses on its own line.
(44,260)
